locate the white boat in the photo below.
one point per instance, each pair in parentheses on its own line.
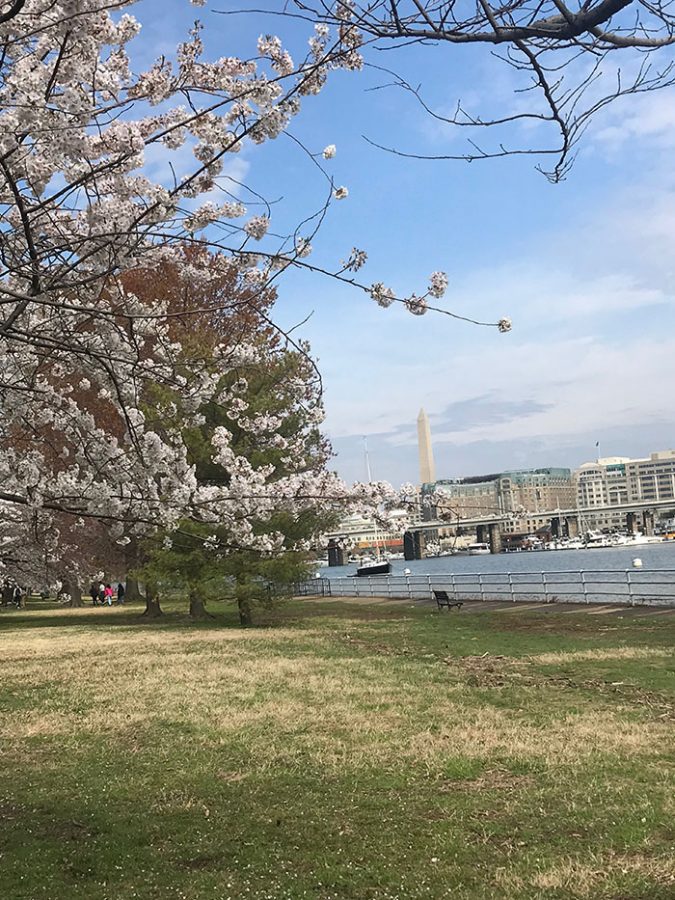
(596,539)
(638,540)
(565,544)
(477,549)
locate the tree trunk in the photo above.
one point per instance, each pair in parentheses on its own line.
(245,612)
(197,608)
(71,586)
(75,592)
(132,592)
(152,607)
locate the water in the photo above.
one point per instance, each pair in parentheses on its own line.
(599,575)
(600,559)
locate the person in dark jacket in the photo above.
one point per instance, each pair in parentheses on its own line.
(120,593)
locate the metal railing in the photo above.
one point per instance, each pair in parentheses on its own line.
(314,587)
(632,587)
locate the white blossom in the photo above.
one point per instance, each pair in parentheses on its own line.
(357,259)
(257,227)
(382,295)
(303,247)
(438,284)
(329,151)
(416,305)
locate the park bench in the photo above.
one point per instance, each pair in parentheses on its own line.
(442,600)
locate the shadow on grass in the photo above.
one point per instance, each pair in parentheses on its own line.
(285,614)
(45,615)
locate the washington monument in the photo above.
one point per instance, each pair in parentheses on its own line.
(427,468)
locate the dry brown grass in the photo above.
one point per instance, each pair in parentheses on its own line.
(546,659)
(293,701)
(587,878)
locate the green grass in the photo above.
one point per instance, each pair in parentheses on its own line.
(339,749)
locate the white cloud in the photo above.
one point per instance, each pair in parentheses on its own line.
(589,385)
(645,118)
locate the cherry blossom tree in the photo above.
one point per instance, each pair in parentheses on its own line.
(81,352)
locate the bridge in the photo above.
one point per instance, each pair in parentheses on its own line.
(563,522)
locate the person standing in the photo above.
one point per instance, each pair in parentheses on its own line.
(120,593)
(108,594)
(17,596)
(93,593)
(101,593)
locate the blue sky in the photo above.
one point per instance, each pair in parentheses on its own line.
(584,268)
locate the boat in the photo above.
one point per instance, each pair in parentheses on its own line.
(377,567)
(380,565)
(477,549)
(565,544)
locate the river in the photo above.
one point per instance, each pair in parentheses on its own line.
(599,575)
(600,559)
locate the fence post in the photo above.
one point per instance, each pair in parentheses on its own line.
(431,592)
(584,585)
(407,584)
(454,586)
(543,581)
(511,587)
(480,585)
(630,588)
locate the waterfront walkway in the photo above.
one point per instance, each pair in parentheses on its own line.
(506,606)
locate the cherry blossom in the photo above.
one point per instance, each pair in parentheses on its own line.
(95,390)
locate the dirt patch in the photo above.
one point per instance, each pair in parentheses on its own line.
(500,671)
(366,609)
(491,780)
(205,861)
(375,647)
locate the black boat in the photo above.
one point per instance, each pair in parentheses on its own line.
(379,567)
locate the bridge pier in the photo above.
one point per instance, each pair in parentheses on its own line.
(648,522)
(495,538)
(631,523)
(336,554)
(572,526)
(560,527)
(482,533)
(413,544)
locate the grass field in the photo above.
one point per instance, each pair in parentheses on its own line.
(349,750)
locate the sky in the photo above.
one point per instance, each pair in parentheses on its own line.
(584,269)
